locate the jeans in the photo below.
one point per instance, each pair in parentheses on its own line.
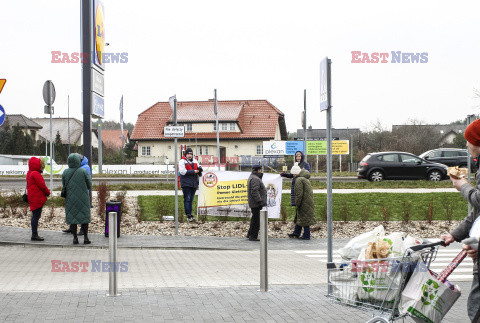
(254,223)
(188,195)
(35,218)
(298,231)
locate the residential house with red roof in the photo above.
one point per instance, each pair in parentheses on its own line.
(112,139)
(243,124)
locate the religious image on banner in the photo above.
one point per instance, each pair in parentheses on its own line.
(225,194)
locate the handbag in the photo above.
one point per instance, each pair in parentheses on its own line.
(64,189)
(25,196)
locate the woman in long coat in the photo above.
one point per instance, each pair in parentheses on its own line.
(77,203)
(305,208)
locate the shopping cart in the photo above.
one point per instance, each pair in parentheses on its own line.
(376,285)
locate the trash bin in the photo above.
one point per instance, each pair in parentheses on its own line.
(113,206)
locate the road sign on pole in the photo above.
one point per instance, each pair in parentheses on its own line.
(49,93)
(2,115)
(2,84)
(325,104)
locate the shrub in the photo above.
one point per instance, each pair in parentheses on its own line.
(121,197)
(345,213)
(448,210)
(406,212)
(364,214)
(323,213)
(283,214)
(385,214)
(103,193)
(429,212)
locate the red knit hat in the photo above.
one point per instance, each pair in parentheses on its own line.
(472,133)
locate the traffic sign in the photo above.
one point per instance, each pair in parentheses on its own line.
(2,84)
(2,115)
(324,84)
(174,131)
(48,93)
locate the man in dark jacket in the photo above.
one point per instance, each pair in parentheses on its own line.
(257,199)
(472,195)
(189,172)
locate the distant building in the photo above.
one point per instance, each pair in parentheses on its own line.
(28,126)
(64,126)
(243,124)
(112,139)
(321,134)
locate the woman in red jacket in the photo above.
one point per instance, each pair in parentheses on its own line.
(37,193)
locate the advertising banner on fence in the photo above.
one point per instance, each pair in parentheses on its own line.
(106,169)
(225,194)
(339,147)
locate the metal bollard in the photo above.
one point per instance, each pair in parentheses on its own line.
(263,251)
(112,250)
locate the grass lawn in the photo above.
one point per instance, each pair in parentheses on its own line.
(349,206)
(315,184)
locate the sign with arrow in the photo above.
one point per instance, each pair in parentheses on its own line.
(2,115)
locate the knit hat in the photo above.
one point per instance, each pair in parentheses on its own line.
(295,169)
(188,151)
(256,167)
(472,133)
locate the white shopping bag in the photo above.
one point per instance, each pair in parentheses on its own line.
(353,247)
(426,298)
(344,285)
(475,229)
(377,282)
(395,240)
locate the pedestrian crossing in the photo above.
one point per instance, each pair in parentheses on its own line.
(443,258)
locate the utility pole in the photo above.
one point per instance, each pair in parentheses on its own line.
(218,130)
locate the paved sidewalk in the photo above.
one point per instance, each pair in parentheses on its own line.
(170,279)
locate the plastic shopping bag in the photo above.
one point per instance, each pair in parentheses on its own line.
(395,240)
(377,282)
(475,230)
(426,298)
(354,246)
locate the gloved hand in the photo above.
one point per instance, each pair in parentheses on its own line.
(282,174)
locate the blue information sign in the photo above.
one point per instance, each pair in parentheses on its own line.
(2,115)
(291,147)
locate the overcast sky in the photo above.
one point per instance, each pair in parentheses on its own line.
(253,50)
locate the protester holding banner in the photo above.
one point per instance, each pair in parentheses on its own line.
(303,164)
(466,227)
(257,199)
(304,206)
(189,172)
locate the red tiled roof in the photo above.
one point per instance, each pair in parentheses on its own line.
(256,119)
(113,138)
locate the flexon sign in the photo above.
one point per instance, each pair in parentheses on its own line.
(275,148)
(174,131)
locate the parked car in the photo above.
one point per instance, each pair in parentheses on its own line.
(399,165)
(450,157)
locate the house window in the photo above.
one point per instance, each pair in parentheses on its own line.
(224,126)
(215,127)
(201,150)
(189,127)
(259,150)
(206,150)
(169,147)
(236,146)
(232,126)
(145,150)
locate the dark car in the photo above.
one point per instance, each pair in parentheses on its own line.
(450,157)
(399,165)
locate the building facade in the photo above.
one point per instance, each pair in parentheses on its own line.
(243,126)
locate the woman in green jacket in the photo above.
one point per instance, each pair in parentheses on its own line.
(77,203)
(304,206)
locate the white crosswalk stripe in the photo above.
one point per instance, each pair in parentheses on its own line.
(443,258)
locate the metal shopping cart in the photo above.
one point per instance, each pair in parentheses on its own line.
(376,285)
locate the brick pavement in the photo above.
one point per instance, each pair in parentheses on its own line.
(172,279)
